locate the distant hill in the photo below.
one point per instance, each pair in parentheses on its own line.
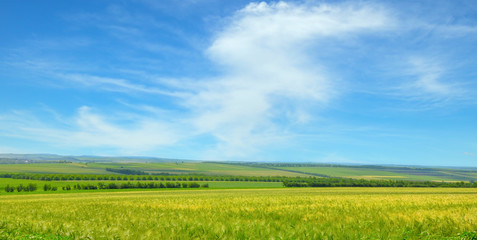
(9,158)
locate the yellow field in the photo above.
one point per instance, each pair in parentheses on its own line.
(373,177)
(291,213)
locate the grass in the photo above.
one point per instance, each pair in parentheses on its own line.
(323,213)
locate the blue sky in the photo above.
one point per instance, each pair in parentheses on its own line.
(373,82)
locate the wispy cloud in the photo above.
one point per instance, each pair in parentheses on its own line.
(92,129)
(428,76)
(116,85)
(428,83)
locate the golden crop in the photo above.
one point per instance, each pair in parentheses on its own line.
(305,213)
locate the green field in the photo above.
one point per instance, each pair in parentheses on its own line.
(204,168)
(66,168)
(318,213)
(197,168)
(375,172)
(235,209)
(226,169)
(349,172)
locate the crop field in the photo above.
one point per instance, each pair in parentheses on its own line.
(198,168)
(154,168)
(360,173)
(213,168)
(388,173)
(66,168)
(286,213)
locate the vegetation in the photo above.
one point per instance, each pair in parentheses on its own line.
(88,167)
(126,171)
(348,182)
(372,172)
(78,177)
(111,185)
(186,168)
(21,188)
(48,187)
(88,198)
(290,213)
(287,181)
(68,186)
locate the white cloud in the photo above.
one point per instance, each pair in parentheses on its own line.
(116,85)
(91,129)
(268,71)
(270,80)
(428,74)
(144,133)
(429,80)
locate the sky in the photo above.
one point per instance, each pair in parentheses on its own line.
(358,82)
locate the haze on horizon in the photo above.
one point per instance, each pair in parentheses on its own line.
(373,82)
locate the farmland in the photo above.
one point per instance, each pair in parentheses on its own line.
(152,168)
(323,213)
(243,169)
(240,201)
(350,172)
(377,172)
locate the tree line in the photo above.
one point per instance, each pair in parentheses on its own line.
(349,182)
(88,186)
(287,181)
(21,188)
(126,171)
(129,185)
(86,177)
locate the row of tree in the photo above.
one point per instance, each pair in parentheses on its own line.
(47,187)
(126,171)
(21,188)
(129,185)
(348,182)
(84,177)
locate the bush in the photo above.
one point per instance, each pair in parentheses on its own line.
(46,187)
(9,188)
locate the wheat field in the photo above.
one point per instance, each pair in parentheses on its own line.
(305,213)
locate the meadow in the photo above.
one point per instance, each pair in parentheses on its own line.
(286,213)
